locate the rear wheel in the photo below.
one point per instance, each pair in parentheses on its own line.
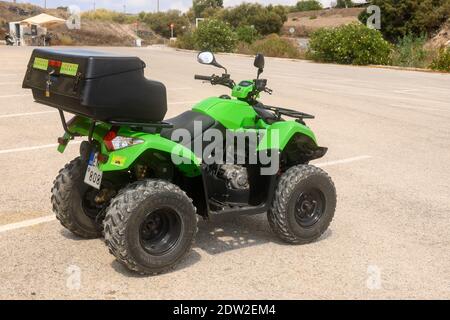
(76,204)
(303,206)
(150,226)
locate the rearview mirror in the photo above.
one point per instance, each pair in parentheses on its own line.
(207,57)
(259,63)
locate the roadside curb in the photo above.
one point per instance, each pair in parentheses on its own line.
(336,64)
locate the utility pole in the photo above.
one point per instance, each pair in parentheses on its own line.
(45,4)
(157,5)
(94,5)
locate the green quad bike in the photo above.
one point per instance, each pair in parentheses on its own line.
(142,181)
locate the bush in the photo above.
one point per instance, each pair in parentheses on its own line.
(215,35)
(410,52)
(63,40)
(185,41)
(308,5)
(275,46)
(349,44)
(400,18)
(442,61)
(247,34)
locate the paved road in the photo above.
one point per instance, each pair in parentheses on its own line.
(390,237)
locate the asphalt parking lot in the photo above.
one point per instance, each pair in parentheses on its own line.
(388,134)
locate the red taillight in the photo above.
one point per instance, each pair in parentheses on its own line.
(108,138)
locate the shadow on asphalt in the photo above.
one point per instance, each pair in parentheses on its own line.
(218,235)
(224,233)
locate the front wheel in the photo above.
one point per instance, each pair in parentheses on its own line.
(150,226)
(303,206)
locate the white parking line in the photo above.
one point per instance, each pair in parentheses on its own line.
(26,223)
(45,146)
(418,108)
(32,222)
(16,95)
(343,161)
(25,114)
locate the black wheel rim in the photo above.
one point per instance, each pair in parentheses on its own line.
(90,207)
(309,207)
(160,231)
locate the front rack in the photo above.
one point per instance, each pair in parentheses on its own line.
(289,113)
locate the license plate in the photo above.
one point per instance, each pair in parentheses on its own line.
(93,175)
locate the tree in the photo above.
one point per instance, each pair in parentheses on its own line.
(199,6)
(308,5)
(215,35)
(160,22)
(266,20)
(344,4)
(400,18)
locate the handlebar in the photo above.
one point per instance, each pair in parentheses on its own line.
(199,77)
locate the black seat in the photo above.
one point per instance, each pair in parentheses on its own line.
(186,120)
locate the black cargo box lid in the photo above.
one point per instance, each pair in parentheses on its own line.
(93,64)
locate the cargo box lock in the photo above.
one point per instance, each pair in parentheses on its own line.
(49,83)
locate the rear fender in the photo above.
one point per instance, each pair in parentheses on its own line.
(183,158)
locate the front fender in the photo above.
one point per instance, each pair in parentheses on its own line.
(183,158)
(279,134)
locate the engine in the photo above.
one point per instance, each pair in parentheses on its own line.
(235,176)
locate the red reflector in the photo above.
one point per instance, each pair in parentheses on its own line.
(55,63)
(62,141)
(102,158)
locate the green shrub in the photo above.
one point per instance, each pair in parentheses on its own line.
(247,34)
(442,61)
(349,44)
(275,46)
(186,41)
(215,35)
(308,5)
(410,52)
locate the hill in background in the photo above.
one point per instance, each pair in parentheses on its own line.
(306,22)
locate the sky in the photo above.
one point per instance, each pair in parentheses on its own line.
(135,6)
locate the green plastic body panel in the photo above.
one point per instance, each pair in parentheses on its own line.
(280,133)
(237,114)
(122,159)
(232,114)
